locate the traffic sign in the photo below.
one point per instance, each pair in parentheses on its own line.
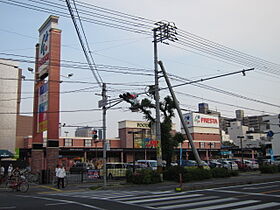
(102,103)
(270,133)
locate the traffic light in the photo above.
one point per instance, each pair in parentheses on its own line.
(132,99)
(128,96)
(94,135)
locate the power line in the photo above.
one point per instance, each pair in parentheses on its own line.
(91,62)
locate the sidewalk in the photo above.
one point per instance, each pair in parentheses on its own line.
(243,178)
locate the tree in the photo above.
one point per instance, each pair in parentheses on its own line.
(168,141)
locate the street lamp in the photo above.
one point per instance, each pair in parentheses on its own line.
(133,138)
(66,133)
(241,147)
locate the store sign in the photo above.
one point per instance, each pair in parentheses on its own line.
(143,125)
(201,120)
(44,49)
(43,108)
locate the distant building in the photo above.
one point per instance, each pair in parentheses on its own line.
(83,132)
(205,131)
(9,103)
(250,138)
(13,127)
(273,125)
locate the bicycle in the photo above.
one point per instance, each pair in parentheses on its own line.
(31,178)
(21,185)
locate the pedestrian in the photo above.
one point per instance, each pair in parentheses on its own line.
(2,171)
(2,174)
(10,170)
(60,174)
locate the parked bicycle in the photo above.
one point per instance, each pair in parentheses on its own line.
(31,178)
(14,185)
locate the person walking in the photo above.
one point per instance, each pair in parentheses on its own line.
(60,174)
(2,174)
(10,170)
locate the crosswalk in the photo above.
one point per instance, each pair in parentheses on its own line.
(174,200)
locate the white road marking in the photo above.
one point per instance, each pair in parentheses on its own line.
(157,204)
(162,199)
(260,206)
(8,207)
(262,187)
(245,193)
(60,200)
(147,196)
(198,203)
(55,204)
(227,205)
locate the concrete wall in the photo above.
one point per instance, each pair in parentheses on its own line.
(8,104)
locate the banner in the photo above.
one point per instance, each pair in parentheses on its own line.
(43,108)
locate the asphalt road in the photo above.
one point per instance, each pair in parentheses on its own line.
(250,196)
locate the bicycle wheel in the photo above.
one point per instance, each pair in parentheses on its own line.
(24,186)
(8,186)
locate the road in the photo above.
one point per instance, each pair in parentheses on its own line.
(250,196)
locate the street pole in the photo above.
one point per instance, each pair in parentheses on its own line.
(241,147)
(189,136)
(133,146)
(210,147)
(157,121)
(104,97)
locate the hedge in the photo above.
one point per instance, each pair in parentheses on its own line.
(144,176)
(267,169)
(194,174)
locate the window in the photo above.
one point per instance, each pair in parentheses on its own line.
(88,142)
(202,144)
(68,142)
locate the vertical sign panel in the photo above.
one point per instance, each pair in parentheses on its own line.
(43,108)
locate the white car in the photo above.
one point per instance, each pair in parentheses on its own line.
(152,164)
(251,164)
(229,165)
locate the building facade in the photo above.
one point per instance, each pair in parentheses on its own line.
(9,104)
(205,131)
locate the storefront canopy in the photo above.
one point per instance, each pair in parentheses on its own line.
(5,154)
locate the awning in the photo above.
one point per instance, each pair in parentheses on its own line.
(5,154)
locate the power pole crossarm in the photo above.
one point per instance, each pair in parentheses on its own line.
(189,136)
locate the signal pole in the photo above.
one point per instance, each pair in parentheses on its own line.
(162,32)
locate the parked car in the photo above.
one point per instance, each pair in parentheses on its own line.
(81,167)
(240,164)
(193,163)
(114,170)
(229,164)
(152,164)
(188,163)
(251,164)
(215,164)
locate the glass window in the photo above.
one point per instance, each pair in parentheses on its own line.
(68,142)
(202,144)
(88,142)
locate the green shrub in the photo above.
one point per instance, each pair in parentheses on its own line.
(172,173)
(220,172)
(193,174)
(233,173)
(144,176)
(267,169)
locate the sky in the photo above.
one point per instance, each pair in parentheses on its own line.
(251,27)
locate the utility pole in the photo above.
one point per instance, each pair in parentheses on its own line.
(162,32)
(241,147)
(189,136)
(104,99)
